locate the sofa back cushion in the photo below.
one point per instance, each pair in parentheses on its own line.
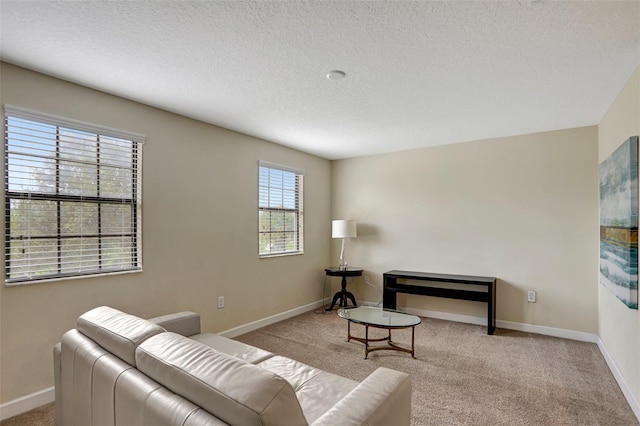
(117,332)
(229,388)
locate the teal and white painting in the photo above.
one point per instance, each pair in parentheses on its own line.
(619,222)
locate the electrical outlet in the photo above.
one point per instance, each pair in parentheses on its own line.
(531,296)
(220,302)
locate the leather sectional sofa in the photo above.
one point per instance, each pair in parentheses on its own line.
(118,369)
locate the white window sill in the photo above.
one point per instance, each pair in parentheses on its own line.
(50,280)
(293,253)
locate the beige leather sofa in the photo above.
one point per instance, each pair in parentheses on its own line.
(118,369)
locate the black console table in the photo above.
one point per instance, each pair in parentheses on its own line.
(392,287)
(343,294)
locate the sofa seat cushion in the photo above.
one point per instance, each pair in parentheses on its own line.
(317,390)
(231,389)
(231,347)
(117,332)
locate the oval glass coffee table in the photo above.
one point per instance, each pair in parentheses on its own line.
(387,319)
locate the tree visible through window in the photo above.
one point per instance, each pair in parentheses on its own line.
(72,199)
(280,210)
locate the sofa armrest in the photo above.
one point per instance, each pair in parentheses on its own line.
(184,323)
(57,380)
(383,398)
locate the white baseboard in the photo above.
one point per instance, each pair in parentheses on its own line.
(468,319)
(529,328)
(37,399)
(538,329)
(27,403)
(509,325)
(624,387)
(246,328)
(548,331)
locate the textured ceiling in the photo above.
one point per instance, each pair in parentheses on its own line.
(418,73)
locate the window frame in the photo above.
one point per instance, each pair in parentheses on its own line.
(298,210)
(135,200)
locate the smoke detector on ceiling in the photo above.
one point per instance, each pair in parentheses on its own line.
(336,75)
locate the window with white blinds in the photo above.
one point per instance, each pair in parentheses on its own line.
(72,198)
(280,224)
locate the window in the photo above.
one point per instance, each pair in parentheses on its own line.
(280,210)
(72,198)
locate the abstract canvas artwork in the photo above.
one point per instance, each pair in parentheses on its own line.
(619,222)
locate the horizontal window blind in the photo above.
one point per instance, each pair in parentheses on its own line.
(72,198)
(280,210)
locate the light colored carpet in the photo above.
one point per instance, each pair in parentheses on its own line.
(42,416)
(460,375)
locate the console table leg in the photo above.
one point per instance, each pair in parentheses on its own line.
(366,341)
(413,340)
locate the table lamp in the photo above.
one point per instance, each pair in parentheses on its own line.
(343,229)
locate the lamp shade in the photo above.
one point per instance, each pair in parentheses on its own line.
(343,229)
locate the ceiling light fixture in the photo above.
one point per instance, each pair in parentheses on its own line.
(336,75)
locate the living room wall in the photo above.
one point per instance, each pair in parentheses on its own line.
(619,326)
(200,227)
(523,209)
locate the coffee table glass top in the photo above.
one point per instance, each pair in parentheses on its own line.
(370,315)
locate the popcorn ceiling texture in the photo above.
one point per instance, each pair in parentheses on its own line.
(418,73)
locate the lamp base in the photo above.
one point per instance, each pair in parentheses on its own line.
(343,261)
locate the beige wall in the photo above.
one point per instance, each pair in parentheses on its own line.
(619,327)
(199,231)
(523,209)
